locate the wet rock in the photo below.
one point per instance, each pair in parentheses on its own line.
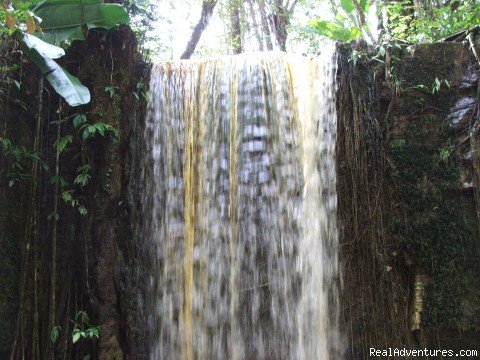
(469,79)
(461,112)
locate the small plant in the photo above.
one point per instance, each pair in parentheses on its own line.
(83,175)
(55,333)
(19,156)
(99,128)
(82,327)
(142,90)
(110,90)
(436,86)
(357,55)
(398,144)
(445,153)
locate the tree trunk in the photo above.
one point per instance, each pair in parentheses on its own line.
(265,27)
(207,10)
(280,22)
(236,29)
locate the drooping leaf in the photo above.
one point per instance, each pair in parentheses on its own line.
(69,87)
(65,84)
(44,48)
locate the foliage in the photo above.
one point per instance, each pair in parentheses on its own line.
(403,21)
(20,156)
(349,23)
(143,16)
(82,327)
(433,23)
(83,131)
(65,20)
(436,86)
(62,21)
(42,54)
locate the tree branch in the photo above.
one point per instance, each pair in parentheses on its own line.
(207,11)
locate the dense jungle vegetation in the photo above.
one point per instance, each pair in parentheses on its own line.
(60,171)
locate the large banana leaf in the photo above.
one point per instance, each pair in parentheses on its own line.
(41,53)
(63,20)
(34,43)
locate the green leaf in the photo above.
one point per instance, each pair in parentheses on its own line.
(60,35)
(69,87)
(5,142)
(95,331)
(37,4)
(55,333)
(58,180)
(82,315)
(75,337)
(78,120)
(44,48)
(335,30)
(364,5)
(63,20)
(347,5)
(65,84)
(381,51)
(82,179)
(62,143)
(67,195)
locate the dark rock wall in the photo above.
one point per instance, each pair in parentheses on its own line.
(406,201)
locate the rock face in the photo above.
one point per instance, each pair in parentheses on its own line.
(415,162)
(430,149)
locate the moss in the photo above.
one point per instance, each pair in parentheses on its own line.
(431,225)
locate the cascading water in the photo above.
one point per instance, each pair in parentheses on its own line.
(239,209)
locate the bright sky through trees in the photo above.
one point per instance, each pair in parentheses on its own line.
(177,19)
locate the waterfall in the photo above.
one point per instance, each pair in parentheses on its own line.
(239,208)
